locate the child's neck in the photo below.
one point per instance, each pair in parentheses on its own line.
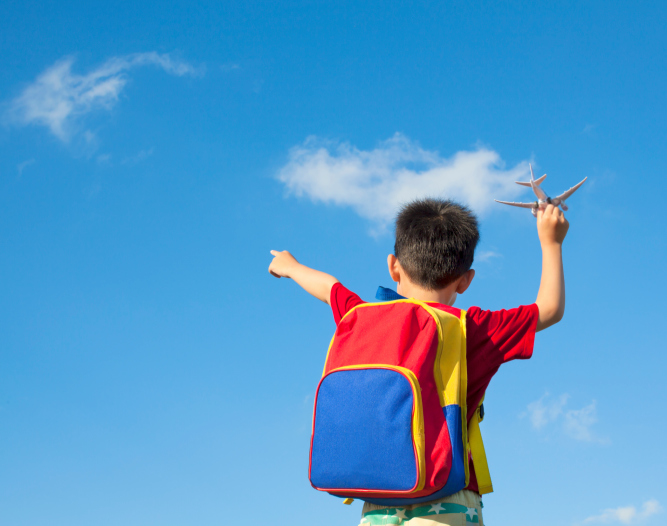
(445,296)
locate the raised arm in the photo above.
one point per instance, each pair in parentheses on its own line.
(314,282)
(551,229)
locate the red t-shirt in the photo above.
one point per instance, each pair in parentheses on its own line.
(492,339)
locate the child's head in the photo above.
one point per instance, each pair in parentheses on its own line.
(435,242)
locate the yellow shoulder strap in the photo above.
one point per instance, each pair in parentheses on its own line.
(478,453)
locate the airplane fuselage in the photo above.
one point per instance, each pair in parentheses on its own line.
(541,204)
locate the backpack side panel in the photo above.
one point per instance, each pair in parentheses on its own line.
(454,375)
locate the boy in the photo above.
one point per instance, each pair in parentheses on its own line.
(434,250)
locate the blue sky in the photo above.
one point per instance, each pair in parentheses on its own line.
(152,372)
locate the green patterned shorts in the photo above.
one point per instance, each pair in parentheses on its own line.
(462,509)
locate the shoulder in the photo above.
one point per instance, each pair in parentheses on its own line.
(342,300)
(508,333)
(499,318)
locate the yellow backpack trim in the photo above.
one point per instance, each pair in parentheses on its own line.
(479,454)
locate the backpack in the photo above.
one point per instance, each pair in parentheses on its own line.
(389,423)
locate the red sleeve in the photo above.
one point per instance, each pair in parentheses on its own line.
(494,338)
(342,300)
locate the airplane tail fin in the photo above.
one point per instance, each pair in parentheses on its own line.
(536,182)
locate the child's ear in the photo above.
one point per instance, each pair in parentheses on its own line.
(394,268)
(465,281)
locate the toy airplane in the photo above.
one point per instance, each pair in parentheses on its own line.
(542,198)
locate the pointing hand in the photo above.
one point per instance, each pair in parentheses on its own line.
(283,262)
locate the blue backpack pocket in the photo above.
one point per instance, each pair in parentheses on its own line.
(368,432)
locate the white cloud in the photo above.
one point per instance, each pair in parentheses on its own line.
(576,423)
(542,411)
(627,514)
(375,183)
(58,97)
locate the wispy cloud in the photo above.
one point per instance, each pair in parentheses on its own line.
(543,411)
(58,98)
(226,68)
(626,514)
(486,255)
(576,423)
(375,183)
(22,166)
(142,155)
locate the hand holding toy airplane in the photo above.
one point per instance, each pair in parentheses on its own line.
(542,198)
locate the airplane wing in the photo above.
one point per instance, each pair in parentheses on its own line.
(521,205)
(569,192)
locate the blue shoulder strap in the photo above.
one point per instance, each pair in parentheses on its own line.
(385,294)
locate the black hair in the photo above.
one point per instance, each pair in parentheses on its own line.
(435,241)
